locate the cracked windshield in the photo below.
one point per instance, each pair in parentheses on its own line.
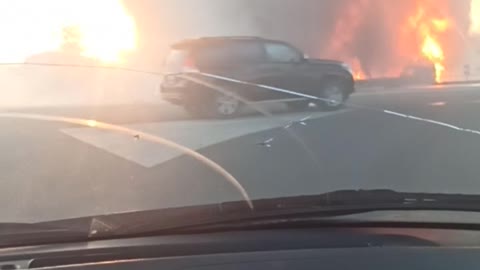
(120,106)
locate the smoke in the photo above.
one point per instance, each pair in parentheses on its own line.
(369,34)
(305,23)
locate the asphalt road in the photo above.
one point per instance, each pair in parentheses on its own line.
(426,141)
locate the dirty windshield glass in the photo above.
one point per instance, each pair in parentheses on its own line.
(113,106)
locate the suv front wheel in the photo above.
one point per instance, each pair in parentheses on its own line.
(334,95)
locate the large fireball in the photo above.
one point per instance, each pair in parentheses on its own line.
(29,27)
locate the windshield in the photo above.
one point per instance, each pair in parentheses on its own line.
(114,106)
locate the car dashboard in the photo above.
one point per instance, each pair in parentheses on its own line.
(361,248)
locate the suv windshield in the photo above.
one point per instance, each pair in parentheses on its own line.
(118,106)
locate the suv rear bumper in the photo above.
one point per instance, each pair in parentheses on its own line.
(179,91)
(173,89)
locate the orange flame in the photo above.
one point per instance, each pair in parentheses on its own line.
(27,27)
(429,29)
(344,33)
(434,53)
(475,17)
(358,73)
(422,35)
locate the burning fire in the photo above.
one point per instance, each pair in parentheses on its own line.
(357,70)
(475,17)
(28,27)
(428,29)
(343,35)
(411,32)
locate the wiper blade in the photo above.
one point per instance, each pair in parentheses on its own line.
(375,197)
(333,204)
(360,199)
(17,234)
(228,214)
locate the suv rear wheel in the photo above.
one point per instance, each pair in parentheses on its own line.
(224,106)
(216,105)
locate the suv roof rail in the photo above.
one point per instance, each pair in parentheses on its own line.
(220,38)
(215,38)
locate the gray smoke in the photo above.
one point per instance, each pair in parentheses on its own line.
(340,29)
(309,24)
(305,23)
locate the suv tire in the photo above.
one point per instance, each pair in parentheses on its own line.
(335,92)
(220,105)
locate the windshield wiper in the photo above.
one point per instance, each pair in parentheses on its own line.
(230,214)
(16,234)
(332,204)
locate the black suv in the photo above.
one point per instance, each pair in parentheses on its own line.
(255,69)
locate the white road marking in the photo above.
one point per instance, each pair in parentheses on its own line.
(192,134)
(438,123)
(395,113)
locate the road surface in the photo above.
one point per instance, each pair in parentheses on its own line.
(421,139)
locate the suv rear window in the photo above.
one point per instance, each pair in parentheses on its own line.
(230,53)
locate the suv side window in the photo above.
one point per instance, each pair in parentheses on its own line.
(230,53)
(279,52)
(247,52)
